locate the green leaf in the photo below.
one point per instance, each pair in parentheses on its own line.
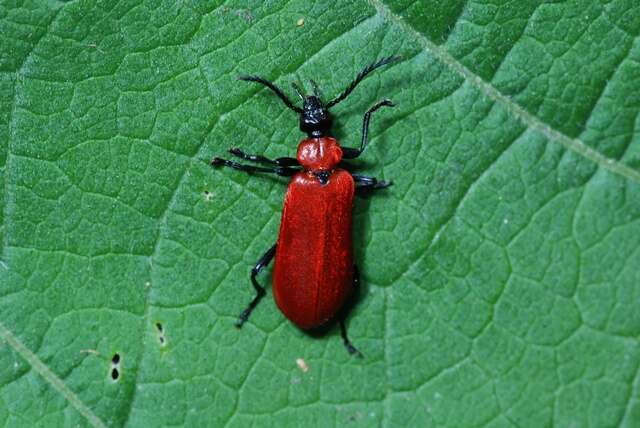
(500,272)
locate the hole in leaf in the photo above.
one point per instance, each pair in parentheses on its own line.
(115,374)
(161,337)
(116,358)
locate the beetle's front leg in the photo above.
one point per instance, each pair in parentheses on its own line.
(370,183)
(284,161)
(279,170)
(351,153)
(264,261)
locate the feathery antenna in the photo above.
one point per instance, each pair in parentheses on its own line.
(365,71)
(274,88)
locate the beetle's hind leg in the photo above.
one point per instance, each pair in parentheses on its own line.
(260,292)
(285,161)
(343,328)
(347,343)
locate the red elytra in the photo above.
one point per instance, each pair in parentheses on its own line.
(314,274)
(313,271)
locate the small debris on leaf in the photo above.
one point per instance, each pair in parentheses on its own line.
(302,365)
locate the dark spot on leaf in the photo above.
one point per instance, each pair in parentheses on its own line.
(115,374)
(161,337)
(116,358)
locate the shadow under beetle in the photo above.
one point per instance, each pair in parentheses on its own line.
(314,274)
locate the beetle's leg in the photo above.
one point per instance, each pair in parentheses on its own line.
(351,153)
(343,328)
(370,183)
(279,170)
(285,161)
(264,261)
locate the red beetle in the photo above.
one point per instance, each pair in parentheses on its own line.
(314,274)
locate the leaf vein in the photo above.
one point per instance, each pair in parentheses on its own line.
(41,368)
(487,89)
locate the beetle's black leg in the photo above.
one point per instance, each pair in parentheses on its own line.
(264,261)
(279,170)
(285,161)
(370,183)
(351,153)
(343,328)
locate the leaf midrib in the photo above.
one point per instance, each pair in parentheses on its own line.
(528,119)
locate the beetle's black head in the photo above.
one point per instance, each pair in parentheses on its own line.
(315,118)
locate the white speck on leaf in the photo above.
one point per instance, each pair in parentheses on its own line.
(302,365)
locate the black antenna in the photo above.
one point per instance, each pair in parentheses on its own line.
(274,88)
(316,89)
(368,69)
(299,91)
